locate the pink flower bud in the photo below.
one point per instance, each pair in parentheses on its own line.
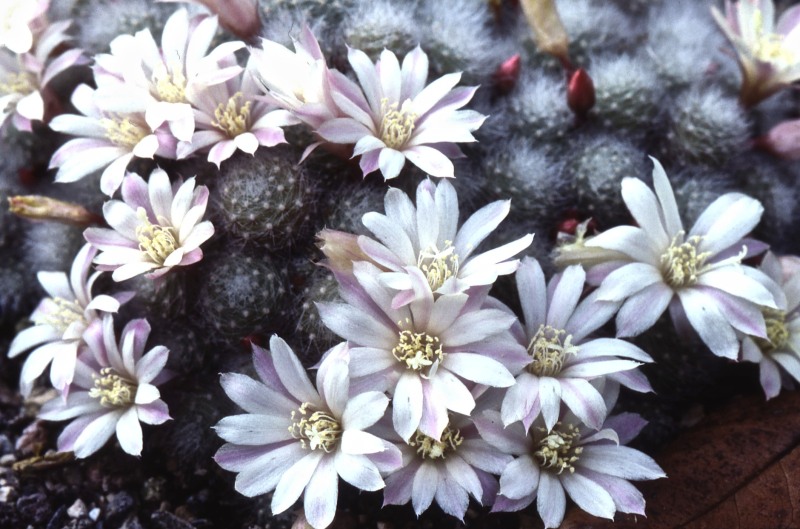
(341,249)
(506,76)
(783,140)
(240,17)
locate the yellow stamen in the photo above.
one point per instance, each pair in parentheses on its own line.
(18,83)
(156,241)
(681,264)
(319,429)
(170,87)
(396,125)
(430,448)
(777,333)
(548,351)
(112,389)
(67,313)
(438,265)
(232,117)
(418,350)
(771,47)
(556,449)
(123,132)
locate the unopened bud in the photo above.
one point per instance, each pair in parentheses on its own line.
(37,207)
(783,140)
(239,17)
(506,76)
(341,249)
(580,92)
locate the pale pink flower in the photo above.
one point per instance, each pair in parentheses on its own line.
(295,439)
(780,351)
(423,352)
(769,53)
(592,468)
(297,81)
(428,240)
(20,20)
(161,80)
(24,78)
(61,320)
(230,116)
(114,390)
(156,226)
(448,469)
(394,116)
(699,275)
(563,358)
(109,139)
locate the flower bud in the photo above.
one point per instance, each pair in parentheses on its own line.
(506,76)
(341,249)
(37,207)
(783,140)
(580,92)
(240,17)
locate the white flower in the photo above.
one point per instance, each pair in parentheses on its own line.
(230,116)
(115,390)
(295,438)
(156,226)
(781,348)
(61,321)
(562,359)
(18,20)
(109,139)
(698,274)
(428,240)
(420,352)
(449,469)
(769,54)
(23,78)
(162,80)
(296,80)
(394,116)
(591,467)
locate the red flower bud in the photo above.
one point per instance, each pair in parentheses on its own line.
(580,92)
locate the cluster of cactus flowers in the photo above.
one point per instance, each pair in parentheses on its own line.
(435,390)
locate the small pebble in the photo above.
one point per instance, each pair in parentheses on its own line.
(94,514)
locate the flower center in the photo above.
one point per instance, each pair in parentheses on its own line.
(418,350)
(170,87)
(438,265)
(66,313)
(123,132)
(430,448)
(771,47)
(556,450)
(777,333)
(232,117)
(396,125)
(318,428)
(112,389)
(548,351)
(22,83)
(681,263)
(156,241)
